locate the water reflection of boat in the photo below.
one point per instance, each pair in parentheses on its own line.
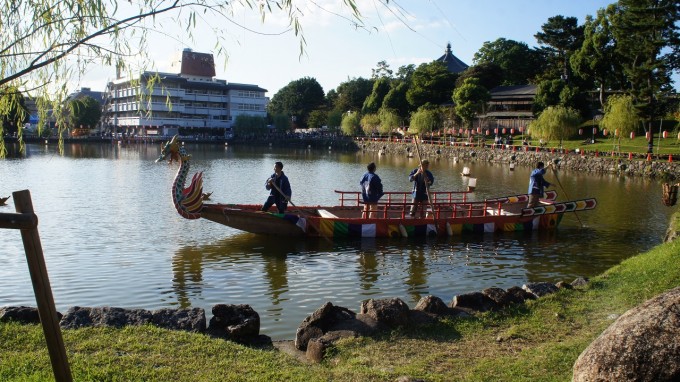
(449,213)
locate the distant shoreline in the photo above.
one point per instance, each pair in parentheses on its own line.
(638,165)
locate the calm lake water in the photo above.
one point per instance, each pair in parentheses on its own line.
(111,236)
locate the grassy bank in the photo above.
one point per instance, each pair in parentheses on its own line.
(538,341)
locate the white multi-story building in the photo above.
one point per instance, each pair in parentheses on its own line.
(191,102)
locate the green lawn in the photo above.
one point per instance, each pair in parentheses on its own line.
(537,341)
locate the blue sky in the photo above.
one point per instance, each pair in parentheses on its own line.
(336,51)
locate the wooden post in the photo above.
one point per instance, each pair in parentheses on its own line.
(41,285)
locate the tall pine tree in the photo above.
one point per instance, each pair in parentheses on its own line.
(648,40)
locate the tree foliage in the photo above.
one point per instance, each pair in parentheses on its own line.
(430,83)
(84,111)
(520,64)
(334,120)
(250,124)
(405,72)
(620,115)
(351,94)
(382,70)
(648,42)
(555,123)
(489,75)
(396,100)
(560,37)
(282,122)
(298,99)
(425,120)
(317,119)
(560,93)
(389,121)
(350,124)
(470,99)
(370,123)
(374,101)
(13,113)
(597,58)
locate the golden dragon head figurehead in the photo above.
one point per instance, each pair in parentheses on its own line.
(170,148)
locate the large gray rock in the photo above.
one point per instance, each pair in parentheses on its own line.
(498,295)
(392,312)
(78,317)
(190,320)
(432,304)
(476,301)
(580,282)
(540,289)
(238,323)
(518,295)
(316,349)
(642,345)
(22,314)
(325,318)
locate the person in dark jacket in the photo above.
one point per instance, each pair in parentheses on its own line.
(419,176)
(537,184)
(371,191)
(279,187)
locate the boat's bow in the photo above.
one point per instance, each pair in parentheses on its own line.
(251,219)
(188,201)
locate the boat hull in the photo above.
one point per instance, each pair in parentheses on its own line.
(337,221)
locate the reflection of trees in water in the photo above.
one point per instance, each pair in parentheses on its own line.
(189,263)
(417,274)
(368,261)
(187,269)
(376,254)
(568,253)
(276,271)
(368,272)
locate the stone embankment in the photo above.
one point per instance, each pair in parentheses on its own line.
(657,167)
(316,333)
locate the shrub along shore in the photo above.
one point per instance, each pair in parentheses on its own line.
(538,341)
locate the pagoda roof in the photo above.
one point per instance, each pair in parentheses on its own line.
(453,63)
(527,92)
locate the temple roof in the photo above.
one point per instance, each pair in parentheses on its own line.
(453,63)
(526,92)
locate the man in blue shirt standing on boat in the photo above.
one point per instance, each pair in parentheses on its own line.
(279,187)
(371,191)
(537,184)
(419,176)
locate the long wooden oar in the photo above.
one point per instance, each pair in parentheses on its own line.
(565,192)
(426,179)
(285,196)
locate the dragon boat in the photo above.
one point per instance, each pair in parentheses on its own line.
(449,213)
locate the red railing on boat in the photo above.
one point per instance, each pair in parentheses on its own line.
(447,197)
(446,205)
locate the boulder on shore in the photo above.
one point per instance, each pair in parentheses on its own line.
(78,317)
(239,323)
(641,345)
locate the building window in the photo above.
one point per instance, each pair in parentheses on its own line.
(248,94)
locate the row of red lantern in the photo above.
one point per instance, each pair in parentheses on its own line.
(488,131)
(632,134)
